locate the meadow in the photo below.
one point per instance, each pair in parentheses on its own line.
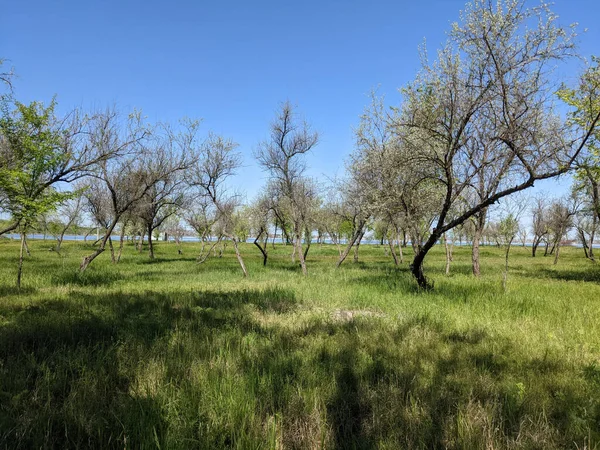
(171,354)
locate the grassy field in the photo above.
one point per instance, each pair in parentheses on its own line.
(170,354)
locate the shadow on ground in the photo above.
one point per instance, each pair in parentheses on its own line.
(217,369)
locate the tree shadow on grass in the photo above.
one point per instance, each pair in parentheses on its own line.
(87,278)
(591,274)
(67,366)
(70,367)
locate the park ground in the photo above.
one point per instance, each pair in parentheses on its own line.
(171,354)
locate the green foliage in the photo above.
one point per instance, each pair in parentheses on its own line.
(508,229)
(585,101)
(171,354)
(31,154)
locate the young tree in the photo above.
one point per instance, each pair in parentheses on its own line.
(282,156)
(560,221)
(508,229)
(124,179)
(165,165)
(69,215)
(216,161)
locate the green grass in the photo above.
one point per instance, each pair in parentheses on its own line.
(171,354)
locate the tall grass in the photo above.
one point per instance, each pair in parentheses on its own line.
(171,354)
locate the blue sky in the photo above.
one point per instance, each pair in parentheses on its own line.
(232,62)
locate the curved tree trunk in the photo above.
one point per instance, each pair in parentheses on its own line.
(416,266)
(262,250)
(355,236)
(88,259)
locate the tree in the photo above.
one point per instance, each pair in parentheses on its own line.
(539,225)
(507,231)
(560,220)
(216,161)
(124,180)
(282,156)
(165,164)
(484,112)
(586,102)
(32,158)
(69,215)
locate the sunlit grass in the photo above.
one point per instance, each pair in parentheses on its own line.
(172,354)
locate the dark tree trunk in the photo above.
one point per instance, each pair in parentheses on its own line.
(262,250)
(150,243)
(417,265)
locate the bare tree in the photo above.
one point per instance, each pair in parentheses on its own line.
(70,214)
(215,162)
(561,214)
(165,165)
(282,156)
(125,177)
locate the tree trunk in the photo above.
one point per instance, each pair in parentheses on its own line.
(308,242)
(141,242)
(202,257)
(88,259)
(150,244)
(534,245)
(59,241)
(416,267)
(584,243)
(113,258)
(239,256)
(448,255)
(392,251)
(354,237)
(301,254)
(26,247)
(400,252)
(262,250)
(358,245)
(274,236)
(20,268)
(479,225)
(557,247)
(121,241)
(505,275)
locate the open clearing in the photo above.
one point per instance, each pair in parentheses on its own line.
(167,353)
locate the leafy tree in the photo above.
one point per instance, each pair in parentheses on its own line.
(31,145)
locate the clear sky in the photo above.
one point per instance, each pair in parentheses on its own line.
(232,62)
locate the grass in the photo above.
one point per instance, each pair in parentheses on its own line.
(170,354)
